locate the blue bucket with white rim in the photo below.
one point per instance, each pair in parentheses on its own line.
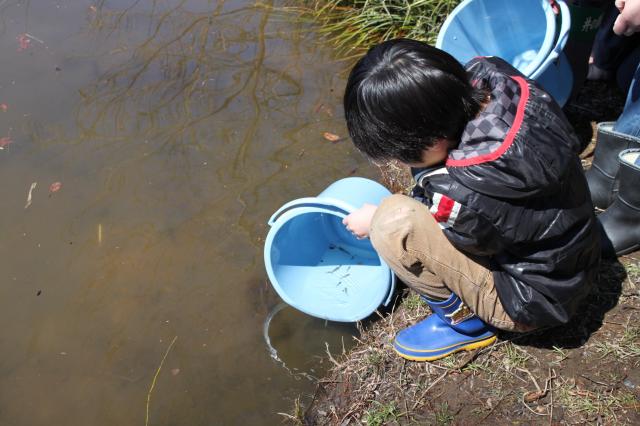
(317,266)
(522,32)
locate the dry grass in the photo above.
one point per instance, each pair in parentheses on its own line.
(395,176)
(354,25)
(537,376)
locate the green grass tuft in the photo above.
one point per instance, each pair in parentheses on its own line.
(381,414)
(355,25)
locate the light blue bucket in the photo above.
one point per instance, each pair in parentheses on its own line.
(522,32)
(320,268)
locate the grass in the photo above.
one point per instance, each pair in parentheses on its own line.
(371,385)
(381,414)
(591,405)
(633,271)
(395,176)
(443,415)
(413,302)
(374,358)
(627,346)
(515,357)
(297,415)
(354,25)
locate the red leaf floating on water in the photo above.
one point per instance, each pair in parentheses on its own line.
(24,41)
(55,187)
(331,137)
(5,141)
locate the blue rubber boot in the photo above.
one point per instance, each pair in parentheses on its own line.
(453,327)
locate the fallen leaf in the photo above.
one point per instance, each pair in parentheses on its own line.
(175,371)
(323,108)
(29,196)
(4,107)
(5,141)
(55,187)
(534,396)
(331,137)
(24,42)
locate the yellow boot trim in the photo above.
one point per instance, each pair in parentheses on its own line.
(469,347)
(479,339)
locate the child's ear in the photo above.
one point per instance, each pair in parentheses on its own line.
(447,144)
(442,145)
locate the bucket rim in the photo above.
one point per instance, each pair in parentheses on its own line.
(379,298)
(541,55)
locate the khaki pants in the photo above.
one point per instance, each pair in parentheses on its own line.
(407,237)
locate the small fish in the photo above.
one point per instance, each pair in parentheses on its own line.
(344,251)
(334,269)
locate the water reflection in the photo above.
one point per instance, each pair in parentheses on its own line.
(176,129)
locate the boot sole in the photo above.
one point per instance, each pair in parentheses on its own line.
(627,251)
(467,347)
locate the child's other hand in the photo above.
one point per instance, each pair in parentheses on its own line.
(359,222)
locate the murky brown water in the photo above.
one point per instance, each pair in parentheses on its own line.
(175,128)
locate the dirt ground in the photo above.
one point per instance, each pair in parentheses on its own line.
(584,373)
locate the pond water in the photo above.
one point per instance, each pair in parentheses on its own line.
(135,292)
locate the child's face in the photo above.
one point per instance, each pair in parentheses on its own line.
(433,156)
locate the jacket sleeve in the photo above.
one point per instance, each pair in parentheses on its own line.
(467,229)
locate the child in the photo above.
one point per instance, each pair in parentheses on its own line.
(500,230)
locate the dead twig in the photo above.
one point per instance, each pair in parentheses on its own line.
(596,382)
(155,377)
(336,363)
(435,382)
(493,408)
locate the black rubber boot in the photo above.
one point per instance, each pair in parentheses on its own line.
(621,221)
(602,176)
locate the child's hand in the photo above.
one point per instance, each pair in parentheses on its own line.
(359,222)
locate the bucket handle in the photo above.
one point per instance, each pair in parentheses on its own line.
(329,205)
(563,35)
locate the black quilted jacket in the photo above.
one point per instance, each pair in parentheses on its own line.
(514,190)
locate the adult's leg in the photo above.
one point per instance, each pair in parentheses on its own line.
(629,121)
(408,238)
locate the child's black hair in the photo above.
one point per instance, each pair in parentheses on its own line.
(403,95)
